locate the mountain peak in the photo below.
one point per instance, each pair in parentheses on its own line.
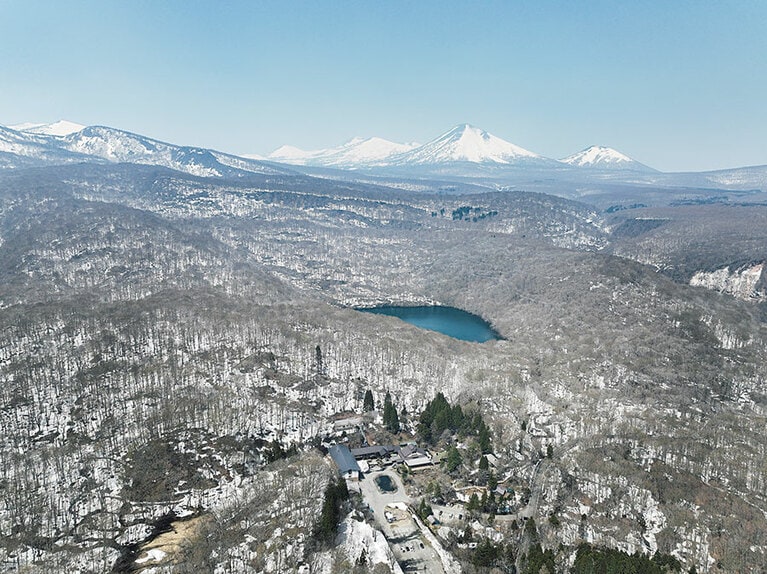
(467,143)
(602,157)
(287,153)
(469,131)
(462,128)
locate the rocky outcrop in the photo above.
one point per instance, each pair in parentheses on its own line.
(744,283)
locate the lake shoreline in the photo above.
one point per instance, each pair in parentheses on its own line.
(450,321)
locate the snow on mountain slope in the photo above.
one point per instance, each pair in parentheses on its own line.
(253,164)
(59,128)
(41,144)
(21,149)
(121,146)
(601,157)
(466,143)
(355,153)
(366,151)
(13,141)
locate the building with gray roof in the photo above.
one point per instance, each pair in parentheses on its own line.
(346,463)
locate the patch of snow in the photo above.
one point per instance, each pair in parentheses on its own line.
(358,537)
(153,555)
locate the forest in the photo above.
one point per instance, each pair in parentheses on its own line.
(159,337)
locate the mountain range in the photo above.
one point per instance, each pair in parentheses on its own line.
(465,153)
(462,144)
(65,142)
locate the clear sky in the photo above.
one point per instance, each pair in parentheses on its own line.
(678,85)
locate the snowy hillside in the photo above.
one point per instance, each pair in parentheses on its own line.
(119,146)
(601,157)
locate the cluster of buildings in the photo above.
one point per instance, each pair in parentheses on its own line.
(353,462)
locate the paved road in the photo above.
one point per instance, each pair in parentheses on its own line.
(536,487)
(410,547)
(530,510)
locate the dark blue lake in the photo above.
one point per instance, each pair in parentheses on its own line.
(449,321)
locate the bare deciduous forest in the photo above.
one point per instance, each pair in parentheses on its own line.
(159,335)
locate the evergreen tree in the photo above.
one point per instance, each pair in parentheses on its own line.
(452,459)
(367,403)
(485,554)
(319,365)
(531,530)
(610,561)
(473,505)
(390,416)
(539,560)
(325,529)
(439,416)
(483,437)
(327,526)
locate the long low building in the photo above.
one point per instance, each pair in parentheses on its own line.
(368,452)
(411,455)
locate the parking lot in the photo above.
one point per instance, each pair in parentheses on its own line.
(392,517)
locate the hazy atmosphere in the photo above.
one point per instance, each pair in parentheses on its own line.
(679,86)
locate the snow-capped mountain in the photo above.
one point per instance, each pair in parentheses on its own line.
(466,143)
(462,144)
(600,157)
(59,128)
(358,152)
(98,144)
(292,154)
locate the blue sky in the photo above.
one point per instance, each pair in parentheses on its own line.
(676,85)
